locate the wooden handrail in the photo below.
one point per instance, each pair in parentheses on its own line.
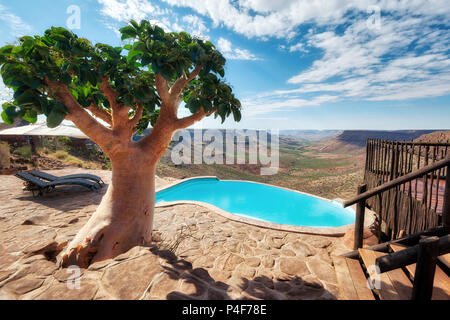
(425,256)
(398,181)
(408,256)
(409,240)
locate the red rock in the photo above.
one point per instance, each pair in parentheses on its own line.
(23,285)
(60,291)
(370,238)
(293,266)
(129,279)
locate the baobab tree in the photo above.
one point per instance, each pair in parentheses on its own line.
(63,76)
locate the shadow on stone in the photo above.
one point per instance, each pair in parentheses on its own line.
(199,284)
(67,197)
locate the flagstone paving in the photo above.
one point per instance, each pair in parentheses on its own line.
(196,254)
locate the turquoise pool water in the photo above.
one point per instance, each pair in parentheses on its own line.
(261,202)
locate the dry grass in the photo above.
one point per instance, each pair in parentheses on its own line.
(172,243)
(71,160)
(302,167)
(4,155)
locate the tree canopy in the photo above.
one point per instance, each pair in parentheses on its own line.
(100,76)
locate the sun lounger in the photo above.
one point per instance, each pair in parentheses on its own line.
(36,184)
(50,177)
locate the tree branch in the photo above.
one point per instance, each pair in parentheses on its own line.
(100,113)
(119,113)
(162,87)
(190,120)
(78,115)
(137,116)
(109,92)
(178,86)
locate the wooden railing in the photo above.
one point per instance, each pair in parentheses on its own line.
(425,256)
(410,212)
(411,206)
(391,159)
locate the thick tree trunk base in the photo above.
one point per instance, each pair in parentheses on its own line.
(124,218)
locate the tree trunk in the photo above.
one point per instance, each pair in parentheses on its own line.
(124,217)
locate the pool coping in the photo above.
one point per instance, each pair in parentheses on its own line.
(323,231)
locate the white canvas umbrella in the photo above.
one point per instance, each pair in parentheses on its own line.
(41,129)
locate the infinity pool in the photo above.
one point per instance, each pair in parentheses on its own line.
(262,202)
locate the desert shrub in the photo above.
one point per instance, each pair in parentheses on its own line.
(55,143)
(172,243)
(4,155)
(23,152)
(68,158)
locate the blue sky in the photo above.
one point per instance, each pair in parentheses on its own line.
(294,64)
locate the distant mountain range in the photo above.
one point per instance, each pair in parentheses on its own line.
(359,137)
(307,135)
(310,135)
(332,140)
(353,140)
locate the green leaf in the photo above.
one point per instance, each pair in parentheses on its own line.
(55,118)
(7,119)
(193,105)
(33,83)
(133,55)
(61,107)
(29,96)
(6,50)
(92,77)
(30,116)
(146,59)
(134,24)
(12,111)
(236,115)
(61,56)
(128,32)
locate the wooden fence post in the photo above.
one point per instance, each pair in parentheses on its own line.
(359,221)
(425,268)
(392,165)
(446,209)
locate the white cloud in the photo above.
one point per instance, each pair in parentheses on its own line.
(195,26)
(394,63)
(231,53)
(259,18)
(17,27)
(273,18)
(125,10)
(298,47)
(407,57)
(118,12)
(274,103)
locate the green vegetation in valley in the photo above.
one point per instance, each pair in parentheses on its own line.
(302,167)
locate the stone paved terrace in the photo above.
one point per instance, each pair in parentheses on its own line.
(197,254)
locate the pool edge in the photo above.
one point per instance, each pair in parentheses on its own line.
(321,231)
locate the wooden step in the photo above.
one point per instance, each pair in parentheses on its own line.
(394,285)
(351,280)
(399,279)
(445,259)
(441,289)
